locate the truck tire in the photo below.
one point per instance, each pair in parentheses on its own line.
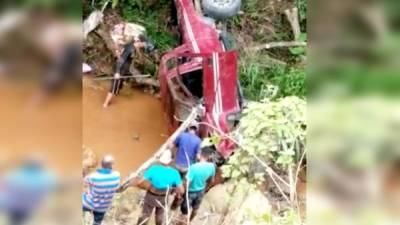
(221,9)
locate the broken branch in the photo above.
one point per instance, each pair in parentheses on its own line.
(280,44)
(293,17)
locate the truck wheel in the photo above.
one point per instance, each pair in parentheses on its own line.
(221,9)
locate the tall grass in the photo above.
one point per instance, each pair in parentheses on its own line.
(260,79)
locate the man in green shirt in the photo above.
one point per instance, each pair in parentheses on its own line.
(198,177)
(159,181)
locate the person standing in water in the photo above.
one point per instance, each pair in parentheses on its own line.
(123,63)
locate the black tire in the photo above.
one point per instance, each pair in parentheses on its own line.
(221,9)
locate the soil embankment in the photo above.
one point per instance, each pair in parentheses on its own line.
(132,128)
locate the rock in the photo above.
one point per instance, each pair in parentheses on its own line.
(136,136)
(255,206)
(239,207)
(90,23)
(89,161)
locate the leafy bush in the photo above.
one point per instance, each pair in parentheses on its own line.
(259,81)
(154,16)
(272,131)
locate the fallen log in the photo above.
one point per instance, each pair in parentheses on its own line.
(192,116)
(293,17)
(148,81)
(279,45)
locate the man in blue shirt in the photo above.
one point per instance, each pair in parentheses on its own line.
(198,177)
(25,189)
(159,181)
(187,146)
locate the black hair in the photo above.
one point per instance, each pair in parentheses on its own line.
(193,128)
(142,38)
(207,152)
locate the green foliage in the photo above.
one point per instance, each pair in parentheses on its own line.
(154,16)
(261,81)
(273,131)
(302,6)
(298,51)
(114,3)
(288,217)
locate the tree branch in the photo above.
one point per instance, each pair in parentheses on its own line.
(279,44)
(293,16)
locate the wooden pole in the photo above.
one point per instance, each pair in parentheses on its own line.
(121,77)
(280,45)
(192,117)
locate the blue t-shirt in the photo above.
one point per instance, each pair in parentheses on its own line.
(163,177)
(187,143)
(26,188)
(198,175)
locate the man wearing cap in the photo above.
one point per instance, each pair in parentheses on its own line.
(159,180)
(187,146)
(101,188)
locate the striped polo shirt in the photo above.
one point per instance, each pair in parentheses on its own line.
(102,186)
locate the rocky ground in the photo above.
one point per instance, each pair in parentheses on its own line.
(219,207)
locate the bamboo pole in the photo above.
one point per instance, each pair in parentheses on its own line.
(192,116)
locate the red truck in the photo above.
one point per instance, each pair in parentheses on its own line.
(202,70)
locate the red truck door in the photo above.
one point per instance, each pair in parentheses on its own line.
(220,100)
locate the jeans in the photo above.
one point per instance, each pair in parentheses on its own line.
(195,199)
(97,216)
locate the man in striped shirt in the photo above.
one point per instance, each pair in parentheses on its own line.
(101,188)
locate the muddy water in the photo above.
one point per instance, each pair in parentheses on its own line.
(132,128)
(51,130)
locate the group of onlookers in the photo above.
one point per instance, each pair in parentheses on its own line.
(184,172)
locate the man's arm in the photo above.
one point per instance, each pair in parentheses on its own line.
(142,183)
(173,145)
(180,190)
(139,182)
(127,51)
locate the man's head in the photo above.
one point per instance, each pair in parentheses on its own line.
(107,162)
(194,127)
(206,154)
(34,162)
(142,41)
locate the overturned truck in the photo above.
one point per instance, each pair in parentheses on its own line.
(203,71)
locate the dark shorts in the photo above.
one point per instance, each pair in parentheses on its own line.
(195,199)
(116,85)
(152,202)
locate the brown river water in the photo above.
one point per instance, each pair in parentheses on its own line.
(51,130)
(131,129)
